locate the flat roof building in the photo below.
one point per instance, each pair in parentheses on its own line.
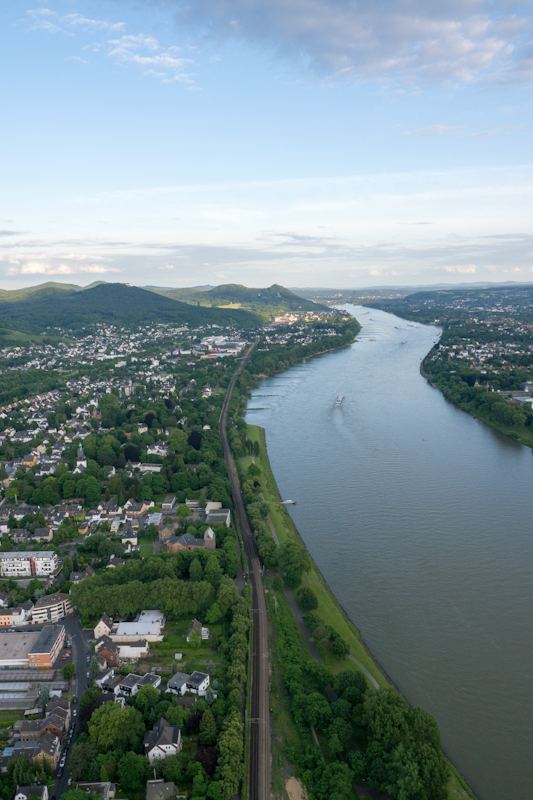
(31,650)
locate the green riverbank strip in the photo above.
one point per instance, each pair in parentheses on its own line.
(329,609)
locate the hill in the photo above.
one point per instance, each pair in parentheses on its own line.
(49,288)
(271,301)
(112,303)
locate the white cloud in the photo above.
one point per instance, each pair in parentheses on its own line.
(459,130)
(68,264)
(453,40)
(41,19)
(469,269)
(145,51)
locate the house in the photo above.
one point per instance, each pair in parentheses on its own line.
(47,747)
(197,683)
(107,649)
(169,504)
(189,542)
(133,651)
(221,516)
(163,741)
(105,789)
(103,626)
(43,534)
(114,561)
(37,790)
(78,577)
(129,537)
(197,626)
(157,449)
(160,790)
(130,685)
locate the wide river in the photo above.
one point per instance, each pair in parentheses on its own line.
(421,521)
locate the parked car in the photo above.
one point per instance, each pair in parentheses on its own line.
(75,712)
(88,674)
(75,674)
(59,772)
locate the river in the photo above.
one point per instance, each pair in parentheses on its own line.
(420,519)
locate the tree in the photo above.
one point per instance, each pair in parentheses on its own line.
(45,695)
(68,671)
(132,772)
(196,572)
(112,727)
(195,639)
(208,729)
(83,753)
(213,571)
(307,599)
(94,669)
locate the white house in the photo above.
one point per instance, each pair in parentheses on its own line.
(163,741)
(197,683)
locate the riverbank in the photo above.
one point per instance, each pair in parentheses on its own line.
(329,609)
(523,435)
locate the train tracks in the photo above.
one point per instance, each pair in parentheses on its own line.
(259,765)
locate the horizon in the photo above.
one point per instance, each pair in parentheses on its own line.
(261,143)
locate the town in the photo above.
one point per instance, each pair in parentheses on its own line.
(124,604)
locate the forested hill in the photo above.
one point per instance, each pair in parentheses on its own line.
(112,303)
(444,304)
(274,300)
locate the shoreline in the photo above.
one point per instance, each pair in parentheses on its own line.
(457,786)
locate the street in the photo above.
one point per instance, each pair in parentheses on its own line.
(79,659)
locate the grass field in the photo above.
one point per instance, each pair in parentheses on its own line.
(147,546)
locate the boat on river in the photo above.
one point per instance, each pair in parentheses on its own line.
(288,502)
(404,341)
(340,398)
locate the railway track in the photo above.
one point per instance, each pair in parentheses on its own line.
(259,764)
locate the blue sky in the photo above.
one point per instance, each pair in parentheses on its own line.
(306,142)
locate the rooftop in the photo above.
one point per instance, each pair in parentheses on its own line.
(47,638)
(14,646)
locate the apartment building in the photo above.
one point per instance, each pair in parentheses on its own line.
(28,564)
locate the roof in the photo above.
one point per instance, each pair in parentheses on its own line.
(187,540)
(47,638)
(163,733)
(38,790)
(106,620)
(160,790)
(197,678)
(178,679)
(150,679)
(137,629)
(130,680)
(27,554)
(51,600)
(195,626)
(105,643)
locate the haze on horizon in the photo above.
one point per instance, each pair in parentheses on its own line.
(303,142)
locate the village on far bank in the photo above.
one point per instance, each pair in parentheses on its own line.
(123,601)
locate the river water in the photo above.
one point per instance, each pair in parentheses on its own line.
(420,519)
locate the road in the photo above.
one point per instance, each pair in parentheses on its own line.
(79,659)
(259,767)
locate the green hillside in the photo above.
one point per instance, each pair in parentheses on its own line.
(112,303)
(49,288)
(272,301)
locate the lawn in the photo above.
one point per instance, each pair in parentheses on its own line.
(147,546)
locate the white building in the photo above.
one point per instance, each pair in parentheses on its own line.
(52,607)
(28,564)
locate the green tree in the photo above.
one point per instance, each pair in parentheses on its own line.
(208,729)
(307,599)
(112,727)
(132,772)
(68,671)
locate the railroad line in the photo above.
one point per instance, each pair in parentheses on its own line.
(259,766)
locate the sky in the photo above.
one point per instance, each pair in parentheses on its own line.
(331,143)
